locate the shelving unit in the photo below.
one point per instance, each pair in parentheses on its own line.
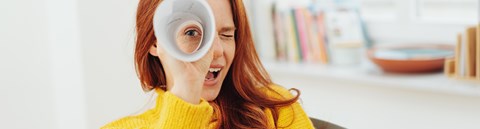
(370,75)
(364,97)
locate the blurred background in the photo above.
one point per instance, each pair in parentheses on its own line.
(69,63)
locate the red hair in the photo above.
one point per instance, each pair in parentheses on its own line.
(240,104)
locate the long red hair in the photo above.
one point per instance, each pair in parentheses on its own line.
(240,104)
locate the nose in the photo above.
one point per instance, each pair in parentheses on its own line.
(217,48)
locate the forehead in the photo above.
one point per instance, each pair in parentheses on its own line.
(223,13)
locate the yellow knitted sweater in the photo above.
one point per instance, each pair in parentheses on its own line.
(172,112)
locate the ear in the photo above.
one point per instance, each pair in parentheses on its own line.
(153,50)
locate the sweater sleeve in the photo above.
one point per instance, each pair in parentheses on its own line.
(293,116)
(178,114)
(171,112)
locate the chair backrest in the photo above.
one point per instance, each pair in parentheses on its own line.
(320,124)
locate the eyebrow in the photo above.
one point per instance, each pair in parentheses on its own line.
(227,29)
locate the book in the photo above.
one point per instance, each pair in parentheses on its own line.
(343,28)
(458,55)
(470,52)
(302,34)
(449,67)
(313,45)
(478,51)
(280,35)
(296,37)
(322,41)
(292,48)
(462,57)
(466,63)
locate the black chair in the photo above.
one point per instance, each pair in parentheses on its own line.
(320,124)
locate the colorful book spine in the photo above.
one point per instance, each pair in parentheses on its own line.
(280,43)
(292,48)
(302,34)
(313,44)
(299,35)
(322,38)
(296,37)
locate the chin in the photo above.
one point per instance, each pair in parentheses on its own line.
(211,93)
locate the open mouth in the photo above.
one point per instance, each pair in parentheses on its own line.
(212,74)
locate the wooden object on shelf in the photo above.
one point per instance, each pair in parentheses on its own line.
(449,67)
(478,51)
(466,63)
(457,54)
(471,51)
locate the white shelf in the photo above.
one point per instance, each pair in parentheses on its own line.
(370,75)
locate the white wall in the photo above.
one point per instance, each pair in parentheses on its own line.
(107,33)
(67,63)
(25,81)
(410,21)
(361,106)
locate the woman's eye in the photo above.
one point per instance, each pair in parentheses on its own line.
(227,36)
(189,40)
(192,33)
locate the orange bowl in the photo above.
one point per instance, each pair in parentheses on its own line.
(411,58)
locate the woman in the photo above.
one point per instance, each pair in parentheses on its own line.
(228,88)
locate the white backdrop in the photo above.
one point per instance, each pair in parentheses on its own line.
(67,63)
(26,94)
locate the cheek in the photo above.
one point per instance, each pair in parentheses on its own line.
(229,51)
(159,50)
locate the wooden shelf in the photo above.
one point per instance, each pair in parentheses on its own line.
(371,75)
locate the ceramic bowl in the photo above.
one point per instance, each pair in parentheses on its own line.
(413,58)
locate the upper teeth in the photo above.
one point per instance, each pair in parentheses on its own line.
(214,69)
